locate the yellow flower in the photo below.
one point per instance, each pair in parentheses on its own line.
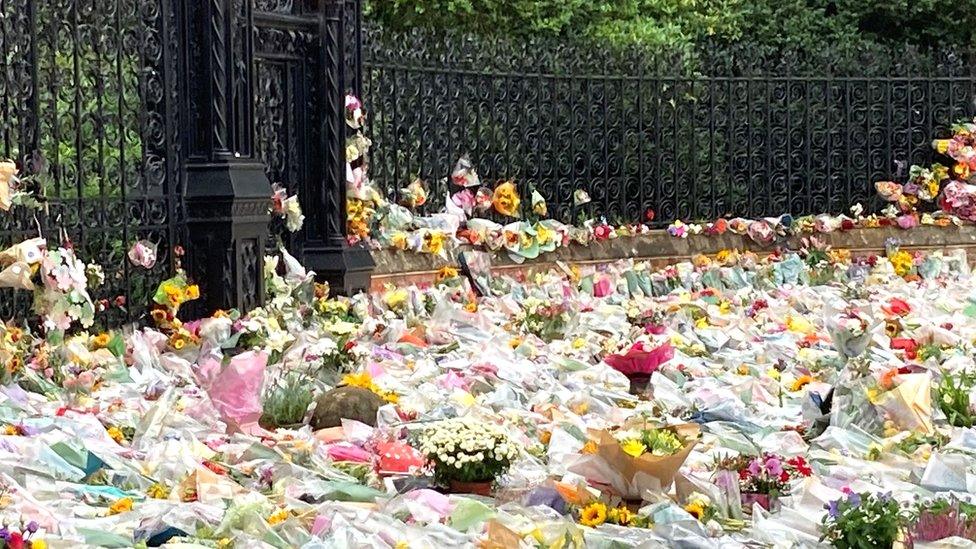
(941,145)
(471,306)
(515,342)
(702,323)
(800,382)
(874,395)
(743,370)
(391,397)
(101,341)
(278,517)
(224,543)
(192,292)
(122,505)
(434,242)
(701,260)
(38,544)
(399,240)
(362,379)
(773,373)
(578,343)
(725,307)
(623,516)
(695,509)
(446,273)
(177,341)
(402,545)
(633,447)
(505,199)
(589,448)
(799,325)
(593,514)
(724,256)
(157,491)
(396,298)
(902,262)
(11,430)
(115,434)
(840,255)
(545,437)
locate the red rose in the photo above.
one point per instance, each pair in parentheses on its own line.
(898,307)
(15,541)
(601,232)
(649,215)
(906,344)
(847,224)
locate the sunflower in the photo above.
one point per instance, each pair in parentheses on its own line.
(695,509)
(801,382)
(593,514)
(892,328)
(446,273)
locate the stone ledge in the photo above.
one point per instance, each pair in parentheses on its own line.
(399,267)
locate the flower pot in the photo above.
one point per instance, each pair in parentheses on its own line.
(639,383)
(766,501)
(482,488)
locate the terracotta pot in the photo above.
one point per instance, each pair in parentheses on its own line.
(477,488)
(639,383)
(766,501)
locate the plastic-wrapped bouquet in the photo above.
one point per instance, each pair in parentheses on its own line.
(762,479)
(850,330)
(546,318)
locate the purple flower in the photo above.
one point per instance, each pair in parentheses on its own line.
(32,526)
(774,466)
(832,508)
(911,188)
(854,499)
(754,468)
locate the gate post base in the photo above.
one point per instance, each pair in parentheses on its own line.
(348,269)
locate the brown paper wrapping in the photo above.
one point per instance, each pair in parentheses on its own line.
(663,468)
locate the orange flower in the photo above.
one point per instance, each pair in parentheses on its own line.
(887,381)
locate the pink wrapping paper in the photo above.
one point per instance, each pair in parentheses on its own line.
(236,391)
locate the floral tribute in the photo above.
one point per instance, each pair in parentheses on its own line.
(464,450)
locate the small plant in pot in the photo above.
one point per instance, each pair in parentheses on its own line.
(864,520)
(763,479)
(287,400)
(467,455)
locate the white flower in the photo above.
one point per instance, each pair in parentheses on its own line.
(293,214)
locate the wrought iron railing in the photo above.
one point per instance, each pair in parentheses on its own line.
(725,130)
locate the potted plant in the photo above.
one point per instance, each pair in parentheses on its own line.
(467,455)
(863,520)
(286,401)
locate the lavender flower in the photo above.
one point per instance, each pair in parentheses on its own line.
(832,508)
(32,526)
(854,498)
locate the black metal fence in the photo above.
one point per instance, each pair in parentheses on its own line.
(166,121)
(726,130)
(81,111)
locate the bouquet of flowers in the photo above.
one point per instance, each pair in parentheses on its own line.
(596,513)
(467,454)
(657,452)
(850,332)
(762,479)
(545,318)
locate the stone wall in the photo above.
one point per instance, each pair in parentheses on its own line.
(659,248)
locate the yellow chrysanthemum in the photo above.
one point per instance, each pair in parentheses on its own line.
(633,447)
(593,514)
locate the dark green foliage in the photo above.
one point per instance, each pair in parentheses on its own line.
(679,24)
